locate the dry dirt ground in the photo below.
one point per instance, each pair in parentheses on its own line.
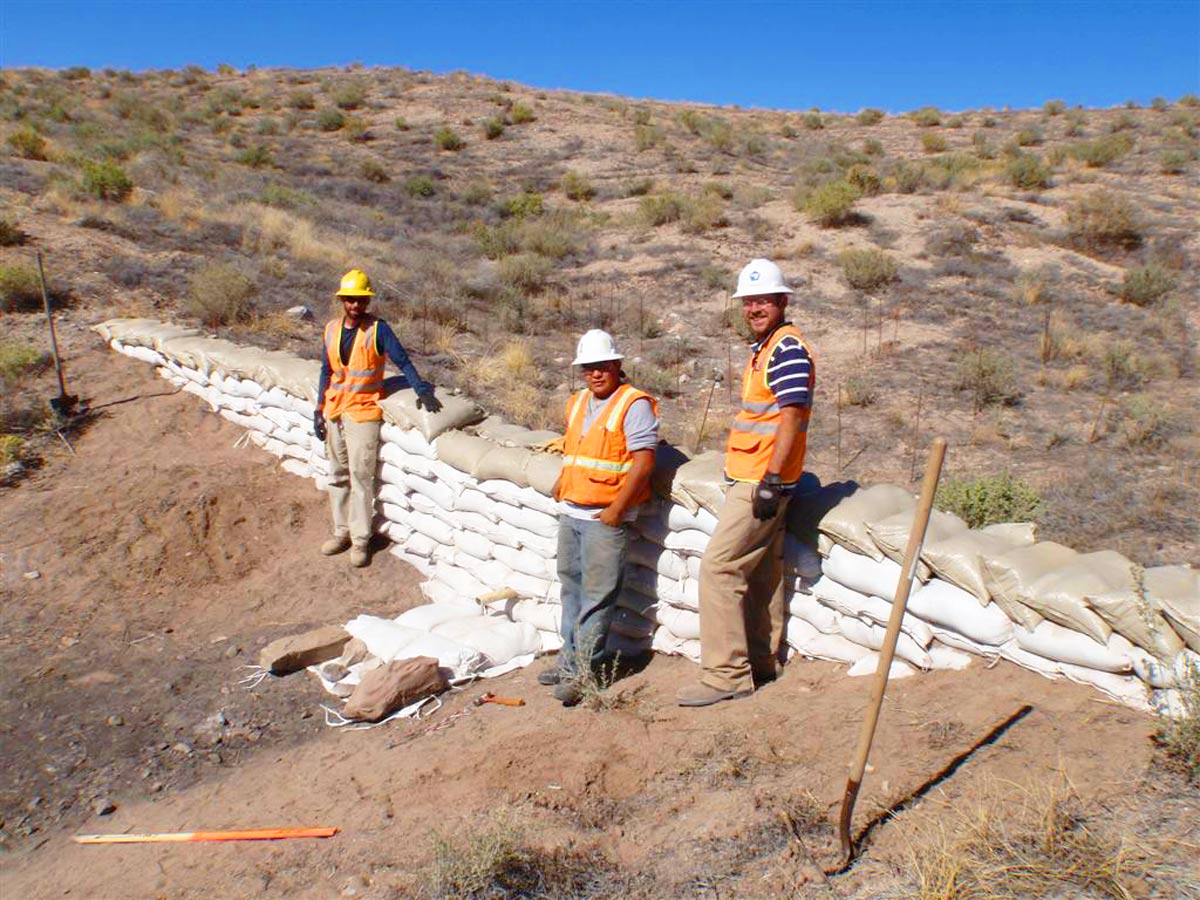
(166,556)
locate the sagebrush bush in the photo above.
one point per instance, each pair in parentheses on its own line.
(927,116)
(1054,107)
(521,114)
(18,360)
(860,390)
(814,121)
(256,156)
(11,234)
(221,295)
(867,269)
(1146,423)
(525,205)
(301,100)
(1102,151)
(27,143)
(831,204)
(989,376)
(703,214)
(527,272)
(20,289)
(868,117)
(349,95)
(1146,285)
(989,499)
(932,142)
(331,119)
(1103,220)
(1030,137)
(493,128)
(864,179)
(447,138)
(375,171)
(661,209)
(420,186)
(577,186)
(1174,160)
(1028,172)
(106,180)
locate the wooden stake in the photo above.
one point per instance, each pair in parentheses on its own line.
(703,419)
(729,370)
(916,436)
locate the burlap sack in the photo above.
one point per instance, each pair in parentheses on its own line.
(1010,576)
(400,408)
(394,686)
(1131,613)
(543,471)
(1059,595)
(959,558)
(461,450)
(504,464)
(506,434)
(847,522)
(891,535)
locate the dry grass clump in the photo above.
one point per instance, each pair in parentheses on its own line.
(1022,843)
(867,269)
(1103,220)
(1178,736)
(221,295)
(988,375)
(510,381)
(1146,285)
(20,289)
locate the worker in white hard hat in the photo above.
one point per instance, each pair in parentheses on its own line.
(355,349)
(741,576)
(608,458)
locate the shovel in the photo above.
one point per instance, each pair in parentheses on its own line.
(916,537)
(64,404)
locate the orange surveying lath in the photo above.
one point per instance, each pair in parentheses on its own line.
(186,837)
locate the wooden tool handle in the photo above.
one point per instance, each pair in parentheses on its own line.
(176,837)
(506,701)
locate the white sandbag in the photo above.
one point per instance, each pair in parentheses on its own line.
(545,547)
(1047,668)
(528,520)
(862,573)
(542,472)
(671,645)
(700,482)
(1059,595)
(847,522)
(390,493)
(499,639)
(1172,703)
(420,563)
(457,480)
(663,561)
(1132,614)
(472,500)
(420,544)
(389,474)
(274,446)
(465,584)
(524,561)
(678,518)
(543,589)
(475,545)
(437,491)
(504,464)
(947,658)
(279,418)
(542,616)
(1052,641)
(958,642)
(531,499)
(801,560)
(693,564)
(1171,673)
(552,641)
(875,609)
(815,613)
(503,492)
(407,439)
(690,541)
(430,615)
(1175,591)
(395,532)
(959,558)
(869,665)
(423,504)
(1127,690)
(431,526)
(651,584)
(396,513)
(296,467)
(494,574)
(682,623)
(807,641)
(891,534)
(506,434)
(1010,576)
(442,594)
(871,636)
(461,450)
(205,393)
(400,408)
(947,605)
(691,594)
(384,638)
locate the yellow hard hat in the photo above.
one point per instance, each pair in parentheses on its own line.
(355,283)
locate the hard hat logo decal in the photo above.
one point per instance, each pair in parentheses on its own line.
(754,275)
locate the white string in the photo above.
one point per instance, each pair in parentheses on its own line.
(257,676)
(242,441)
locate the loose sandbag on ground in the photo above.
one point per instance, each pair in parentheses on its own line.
(457,412)
(461,450)
(394,686)
(1010,576)
(700,482)
(1052,641)
(942,603)
(847,522)
(1175,590)
(959,558)
(1059,595)
(504,464)
(1134,615)
(496,638)
(891,534)
(869,665)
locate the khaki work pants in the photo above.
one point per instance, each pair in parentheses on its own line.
(742,606)
(353,451)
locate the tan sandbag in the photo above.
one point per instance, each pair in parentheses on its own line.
(1010,576)
(197,352)
(296,376)
(504,464)
(847,522)
(400,408)
(394,686)
(1021,534)
(891,535)
(1175,591)
(1059,594)
(543,471)
(668,460)
(1132,614)
(506,434)
(461,450)
(700,482)
(239,361)
(959,558)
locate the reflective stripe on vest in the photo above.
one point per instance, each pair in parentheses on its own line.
(356,387)
(596,462)
(751,442)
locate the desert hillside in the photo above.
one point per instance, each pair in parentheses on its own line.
(1022,282)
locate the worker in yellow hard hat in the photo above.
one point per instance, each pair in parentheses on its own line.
(356,347)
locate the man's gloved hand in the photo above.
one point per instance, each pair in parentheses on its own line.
(426,400)
(767,495)
(319,425)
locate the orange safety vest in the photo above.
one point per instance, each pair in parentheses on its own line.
(595,464)
(751,440)
(355,388)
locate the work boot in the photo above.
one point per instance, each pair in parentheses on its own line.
(549,676)
(701,694)
(336,545)
(359,557)
(568,692)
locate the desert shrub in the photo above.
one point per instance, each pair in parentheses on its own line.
(17,360)
(646,137)
(1028,172)
(1102,151)
(446,138)
(639,187)
(220,295)
(872,147)
(267,126)
(864,179)
(1179,736)
(927,117)
(867,269)
(401,124)
(703,214)
(356,129)
(106,180)
(1056,156)
(527,272)
(988,375)
(493,128)
(1174,160)
(1054,107)
(349,95)
(11,234)
(813,121)
(555,235)
(868,117)
(908,178)
(27,143)
(831,204)
(284,197)
(1123,122)
(525,205)
(76,73)
(859,390)
(577,186)
(420,186)
(1146,285)
(331,119)
(660,209)
(520,114)
(1030,137)
(1145,422)
(933,143)
(375,171)
(256,156)
(301,100)
(989,499)
(477,192)
(953,239)
(1104,220)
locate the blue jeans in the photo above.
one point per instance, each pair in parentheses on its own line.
(591,567)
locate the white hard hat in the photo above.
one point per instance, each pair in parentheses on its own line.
(594,347)
(760,276)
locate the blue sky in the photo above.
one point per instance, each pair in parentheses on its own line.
(839,56)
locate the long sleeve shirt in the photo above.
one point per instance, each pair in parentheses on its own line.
(386,343)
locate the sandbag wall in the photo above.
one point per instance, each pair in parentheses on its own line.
(466,500)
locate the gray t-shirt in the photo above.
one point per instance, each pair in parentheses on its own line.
(641,433)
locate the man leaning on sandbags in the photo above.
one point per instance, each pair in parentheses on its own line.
(608,458)
(742,605)
(355,349)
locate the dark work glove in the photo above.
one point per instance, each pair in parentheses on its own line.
(426,400)
(767,495)
(319,425)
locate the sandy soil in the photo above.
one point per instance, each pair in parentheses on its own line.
(166,556)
